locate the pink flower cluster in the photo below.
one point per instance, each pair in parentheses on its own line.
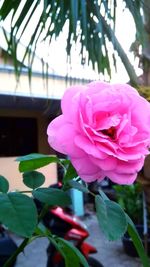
(104,129)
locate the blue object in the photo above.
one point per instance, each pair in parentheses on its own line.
(77,202)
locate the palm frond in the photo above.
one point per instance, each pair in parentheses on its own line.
(91,23)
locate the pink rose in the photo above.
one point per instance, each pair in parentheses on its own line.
(105,131)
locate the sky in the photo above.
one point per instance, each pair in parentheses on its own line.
(56,55)
(125,32)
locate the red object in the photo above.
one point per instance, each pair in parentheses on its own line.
(74,231)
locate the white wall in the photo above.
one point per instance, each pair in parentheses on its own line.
(9,169)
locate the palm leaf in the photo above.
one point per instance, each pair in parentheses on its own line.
(91,23)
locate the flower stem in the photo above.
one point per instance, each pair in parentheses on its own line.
(43,212)
(16,253)
(26,191)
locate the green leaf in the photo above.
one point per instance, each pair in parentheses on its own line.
(70,174)
(52,196)
(34,161)
(117,46)
(103,195)
(78,186)
(111,218)
(4,185)
(84,19)
(94,30)
(137,242)
(41,230)
(33,179)
(73,257)
(74,14)
(18,213)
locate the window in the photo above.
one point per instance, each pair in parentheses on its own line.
(18,136)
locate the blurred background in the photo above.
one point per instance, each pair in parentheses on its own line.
(45,47)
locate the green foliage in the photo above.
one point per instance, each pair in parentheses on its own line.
(79,186)
(137,242)
(52,196)
(33,179)
(35,161)
(4,185)
(18,213)
(70,173)
(111,218)
(90,23)
(72,256)
(130,199)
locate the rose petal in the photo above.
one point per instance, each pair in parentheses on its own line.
(70,103)
(88,171)
(103,130)
(130,166)
(88,147)
(121,178)
(61,137)
(108,164)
